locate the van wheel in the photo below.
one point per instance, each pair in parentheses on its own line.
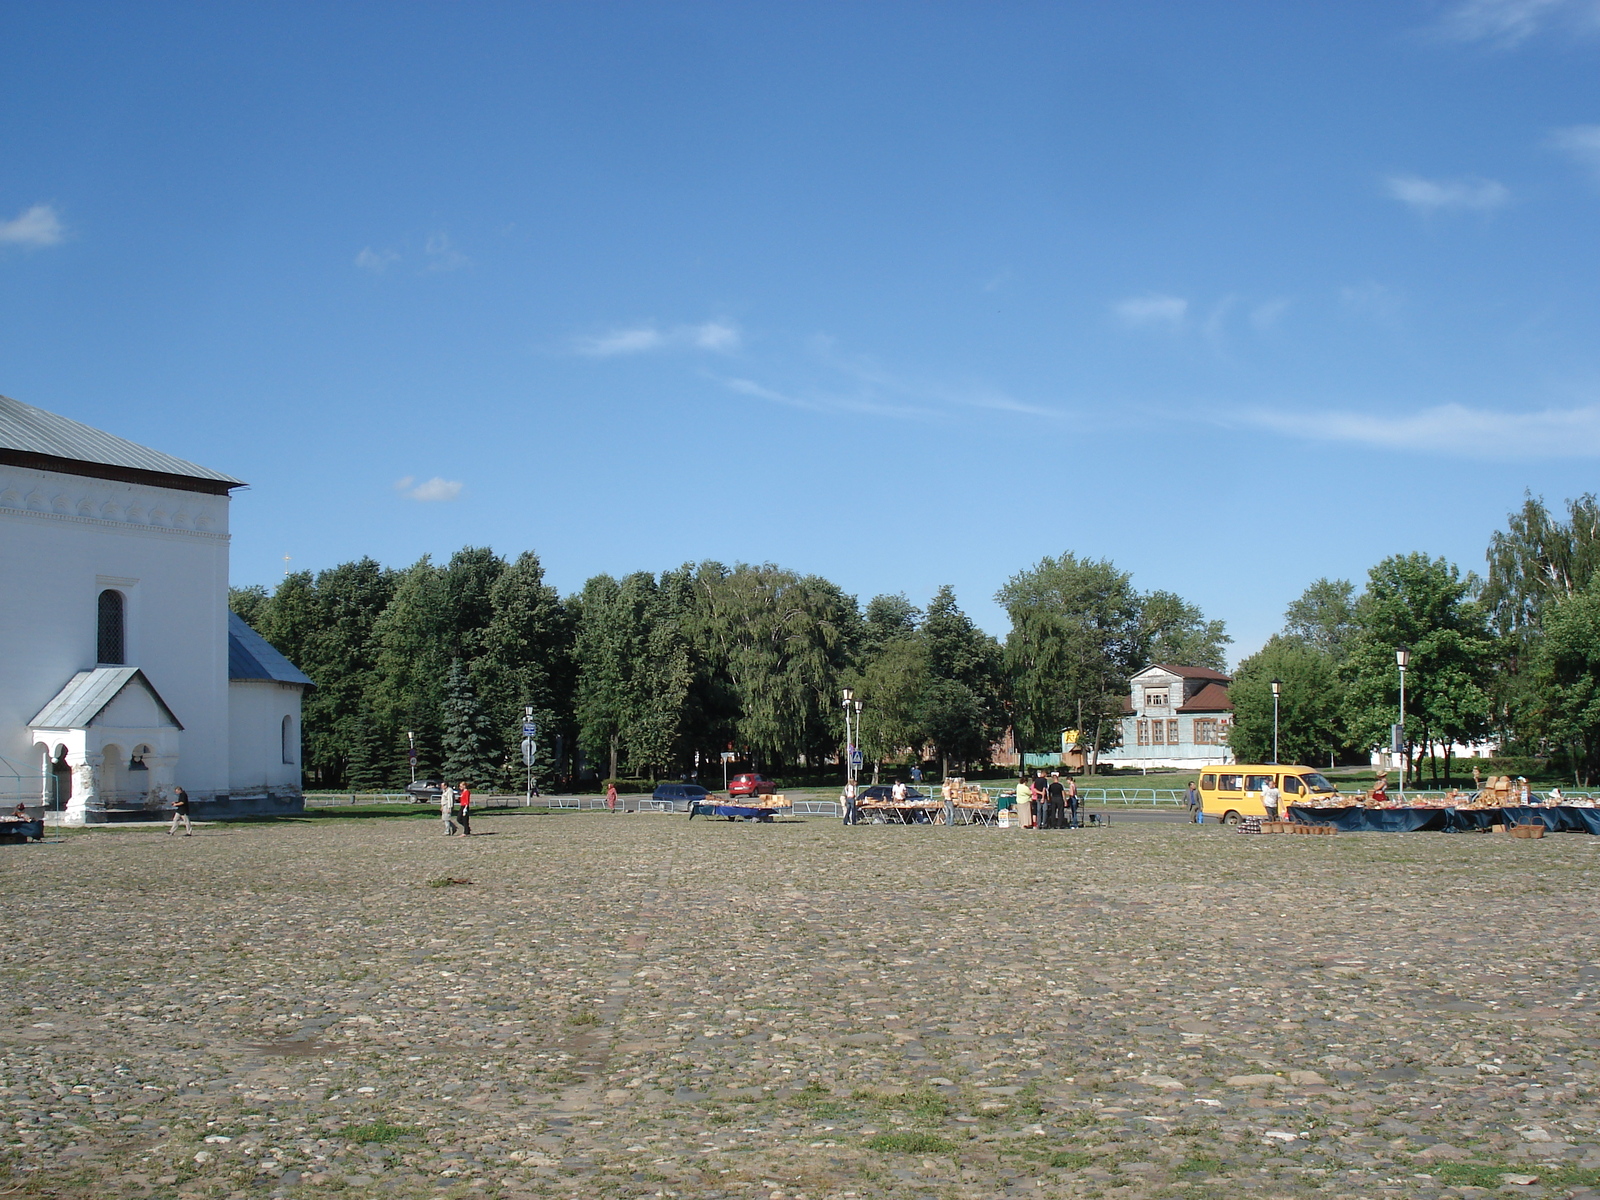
(1230,817)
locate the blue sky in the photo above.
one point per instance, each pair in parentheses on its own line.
(1237,295)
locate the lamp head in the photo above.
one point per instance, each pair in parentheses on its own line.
(849,695)
(1402,657)
(1277,687)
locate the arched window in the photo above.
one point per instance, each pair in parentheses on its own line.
(288,741)
(111,646)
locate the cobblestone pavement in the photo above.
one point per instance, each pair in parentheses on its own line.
(648,1006)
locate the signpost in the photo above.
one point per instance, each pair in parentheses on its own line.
(530,750)
(727,757)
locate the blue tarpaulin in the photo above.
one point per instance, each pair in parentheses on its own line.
(1558,819)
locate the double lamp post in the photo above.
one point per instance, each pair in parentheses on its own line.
(852,750)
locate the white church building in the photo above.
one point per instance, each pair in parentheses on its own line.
(122,672)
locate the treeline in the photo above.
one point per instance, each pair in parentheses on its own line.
(1513,656)
(651,675)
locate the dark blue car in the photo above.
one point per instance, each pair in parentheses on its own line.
(679,795)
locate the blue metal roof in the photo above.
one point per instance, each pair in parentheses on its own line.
(32,430)
(86,695)
(251,656)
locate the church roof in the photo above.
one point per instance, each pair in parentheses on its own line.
(32,437)
(88,693)
(251,656)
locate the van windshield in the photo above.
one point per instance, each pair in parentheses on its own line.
(1318,783)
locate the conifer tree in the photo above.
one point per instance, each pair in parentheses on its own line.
(469,743)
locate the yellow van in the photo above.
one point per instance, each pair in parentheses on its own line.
(1228,793)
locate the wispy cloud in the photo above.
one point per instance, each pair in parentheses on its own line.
(1266,316)
(1153,310)
(376,261)
(1429,196)
(36,226)
(442,254)
(1373,300)
(1582,143)
(1452,429)
(1508,23)
(436,488)
(720,337)
(864,404)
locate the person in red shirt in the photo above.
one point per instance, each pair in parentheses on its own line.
(465,819)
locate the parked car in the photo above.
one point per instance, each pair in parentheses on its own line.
(424,791)
(680,795)
(751,785)
(885,791)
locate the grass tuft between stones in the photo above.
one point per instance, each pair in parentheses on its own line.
(1071,1160)
(378,1131)
(910,1141)
(1199,1164)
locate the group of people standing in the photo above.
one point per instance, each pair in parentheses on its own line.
(1045,803)
(456,820)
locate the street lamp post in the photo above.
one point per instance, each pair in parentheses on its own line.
(1402,659)
(1277,692)
(849,742)
(411,753)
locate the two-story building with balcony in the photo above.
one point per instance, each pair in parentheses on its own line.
(1174,716)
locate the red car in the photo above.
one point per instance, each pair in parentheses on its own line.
(751,785)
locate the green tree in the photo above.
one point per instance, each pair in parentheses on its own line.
(1075,641)
(411,639)
(1428,605)
(1175,631)
(1537,562)
(890,689)
(783,641)
(1324,617)
(527,663)
(635,674)
(369,760)
(248,603)
(1309,729)
(1566,674)
(960,710)
(470,753)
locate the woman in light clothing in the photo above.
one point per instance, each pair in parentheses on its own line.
(1025,802)
(447,805)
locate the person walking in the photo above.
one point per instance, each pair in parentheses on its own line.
(447,807)
(848,800)
(180,812)
(1191,801)
(611,796)
(1072,803)
(465,800)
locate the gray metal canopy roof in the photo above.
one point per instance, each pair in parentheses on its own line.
(251,656)
(31,436)
(88,693)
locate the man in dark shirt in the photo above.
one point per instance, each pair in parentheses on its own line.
(1056,803)
(180,812)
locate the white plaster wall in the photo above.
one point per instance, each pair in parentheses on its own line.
(63,539)
(256,708)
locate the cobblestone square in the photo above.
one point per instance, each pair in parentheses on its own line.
(641,1005)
